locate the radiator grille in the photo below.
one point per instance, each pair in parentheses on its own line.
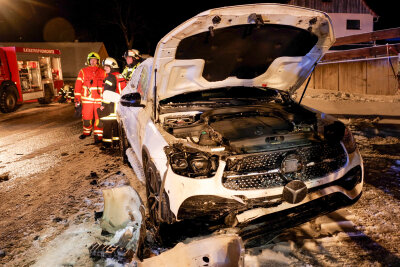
(263,170)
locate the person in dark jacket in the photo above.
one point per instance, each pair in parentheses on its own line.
(133,59)
(114,83)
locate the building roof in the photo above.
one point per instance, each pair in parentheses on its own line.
(336,6)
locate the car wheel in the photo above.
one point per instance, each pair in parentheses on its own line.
(123,143)
(115,132)
(8,101)
(153,185)
(152,192)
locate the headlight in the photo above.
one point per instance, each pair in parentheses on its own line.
(336,132)
(199,163)
(191,163)
(348,141)
(178,161)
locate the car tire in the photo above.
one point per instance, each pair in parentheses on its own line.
(123,143)
(153,185)
(8,100)
(115,132)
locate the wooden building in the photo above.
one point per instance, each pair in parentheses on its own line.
(348,16)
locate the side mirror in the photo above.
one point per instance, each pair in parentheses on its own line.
(131,100)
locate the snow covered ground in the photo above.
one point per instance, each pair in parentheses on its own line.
(340,103)
(47,213)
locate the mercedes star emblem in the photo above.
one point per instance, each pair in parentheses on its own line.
(294,192)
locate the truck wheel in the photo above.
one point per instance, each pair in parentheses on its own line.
(8,101)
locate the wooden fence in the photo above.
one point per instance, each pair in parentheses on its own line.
(371,70)
(372,76)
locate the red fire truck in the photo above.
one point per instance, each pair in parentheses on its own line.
(28,74)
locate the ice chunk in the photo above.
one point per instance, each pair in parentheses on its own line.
(311,245)
(267,258)
(334,227)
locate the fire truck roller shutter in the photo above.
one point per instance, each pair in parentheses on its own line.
(8,97)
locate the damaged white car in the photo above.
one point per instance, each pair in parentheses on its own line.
(211,120)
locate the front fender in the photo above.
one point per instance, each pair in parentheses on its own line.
(153,145)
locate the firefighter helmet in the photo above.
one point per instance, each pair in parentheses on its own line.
(110,62)
(131,53)
(93,55)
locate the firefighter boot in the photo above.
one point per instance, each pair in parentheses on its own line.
(97,140)
(105,146)
(83,136)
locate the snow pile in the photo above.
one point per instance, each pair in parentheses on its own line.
(267,258)
(70,248)
(344,96)
(278,254)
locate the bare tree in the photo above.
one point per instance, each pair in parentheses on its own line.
(128,18)
(122,9)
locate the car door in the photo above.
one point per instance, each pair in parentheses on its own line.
(129,114)
(141,115)
(144,114)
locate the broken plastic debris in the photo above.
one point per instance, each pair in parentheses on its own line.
(121,206)
(120,254)
(125,238)
(218,149)
(218,250)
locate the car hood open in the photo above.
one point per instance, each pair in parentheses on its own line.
(261,45)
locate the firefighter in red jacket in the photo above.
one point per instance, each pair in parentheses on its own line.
(113,86)
(88,93)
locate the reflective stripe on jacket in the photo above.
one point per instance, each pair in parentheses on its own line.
(128,70)
(114,82)
(89,84)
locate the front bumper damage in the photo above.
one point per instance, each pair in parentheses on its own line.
(208,199)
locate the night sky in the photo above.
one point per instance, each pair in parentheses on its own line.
(94,20)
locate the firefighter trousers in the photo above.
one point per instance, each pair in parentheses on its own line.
(91,119)
(108,121)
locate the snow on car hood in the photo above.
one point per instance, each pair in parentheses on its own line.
(268,45)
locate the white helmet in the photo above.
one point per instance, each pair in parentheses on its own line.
(110,62)
(131,53)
